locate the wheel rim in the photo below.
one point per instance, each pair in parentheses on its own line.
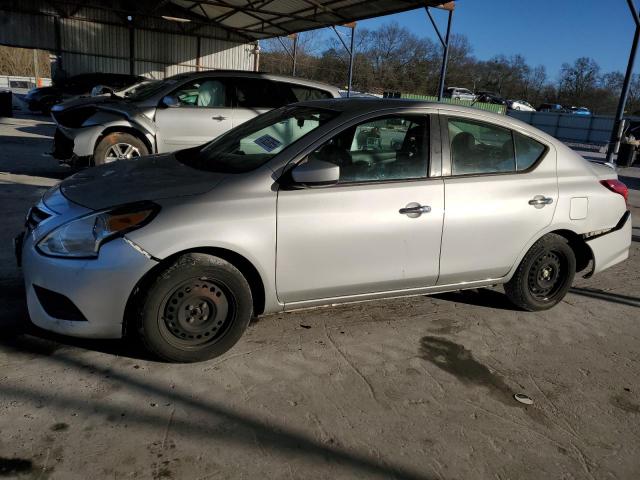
(196,313)
(121,151)
(547,275)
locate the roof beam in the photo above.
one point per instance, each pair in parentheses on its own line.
(243,9)
(250,9)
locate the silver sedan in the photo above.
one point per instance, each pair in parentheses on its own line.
(313,204)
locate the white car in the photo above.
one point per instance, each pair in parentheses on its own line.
(458,93)
(520,105)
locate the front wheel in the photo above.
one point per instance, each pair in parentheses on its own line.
(196,309)
(119,146)
(544,276)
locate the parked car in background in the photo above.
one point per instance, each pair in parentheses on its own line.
(490,97)
(581,111)
(550,107)
(182,111)
(521,105)
(459,93)
(180,249)
(42,99)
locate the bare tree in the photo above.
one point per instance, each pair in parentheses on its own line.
(20,62)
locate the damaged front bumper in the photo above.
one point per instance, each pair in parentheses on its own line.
(74,146)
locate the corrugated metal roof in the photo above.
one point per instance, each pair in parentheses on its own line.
(240,20)
(270,18)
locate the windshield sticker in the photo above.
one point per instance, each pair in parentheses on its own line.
(267,143)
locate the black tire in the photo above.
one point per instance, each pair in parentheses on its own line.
(118,140)
(195,310)
(544,276)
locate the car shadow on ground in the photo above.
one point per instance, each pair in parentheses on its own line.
(239,428)
(607,296)
(480,297)
(44,129)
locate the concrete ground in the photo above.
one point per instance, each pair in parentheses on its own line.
(417,388)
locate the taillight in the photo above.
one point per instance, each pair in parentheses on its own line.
(618,187)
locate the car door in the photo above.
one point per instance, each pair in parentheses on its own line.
(253,96)
(201,112)
(501,189)
(355,237)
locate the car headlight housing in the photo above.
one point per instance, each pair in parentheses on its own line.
(83,237)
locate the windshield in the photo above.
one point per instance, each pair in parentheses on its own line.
(257,141)
(150,89)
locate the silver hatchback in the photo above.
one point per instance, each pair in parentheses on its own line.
(312,204)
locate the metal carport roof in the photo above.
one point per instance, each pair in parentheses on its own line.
(260,19)
(249,20)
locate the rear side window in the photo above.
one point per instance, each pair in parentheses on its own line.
(528,151)
(478,147)
(303,94)
(259,93)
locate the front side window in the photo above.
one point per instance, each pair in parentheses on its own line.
(257,141)
(387,148)
(478,147)
(203,93)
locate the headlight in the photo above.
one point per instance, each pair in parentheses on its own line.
(82,238)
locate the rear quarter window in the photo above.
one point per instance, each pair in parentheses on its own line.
(303,94)
(528,151)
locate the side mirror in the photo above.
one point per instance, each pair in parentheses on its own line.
(170,101)
(316,173)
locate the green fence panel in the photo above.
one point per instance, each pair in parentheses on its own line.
(491,107)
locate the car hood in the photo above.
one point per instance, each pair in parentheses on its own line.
(127,181)
(72,113)
(103,102)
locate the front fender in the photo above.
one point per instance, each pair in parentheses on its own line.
(112,121)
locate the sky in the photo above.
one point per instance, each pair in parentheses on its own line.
(545,32)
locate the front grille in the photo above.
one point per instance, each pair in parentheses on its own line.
(57,305)
(62,146)
(36,216)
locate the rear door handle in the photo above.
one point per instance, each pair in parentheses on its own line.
(414,210)
(219,118)
(540,201)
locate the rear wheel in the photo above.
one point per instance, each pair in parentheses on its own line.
(544,276)
(197,309)
(119,146)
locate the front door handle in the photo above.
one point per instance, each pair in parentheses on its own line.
(219,118)
(414,210)
(540,201)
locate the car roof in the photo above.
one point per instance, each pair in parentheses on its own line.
(355,106)
(266,76)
